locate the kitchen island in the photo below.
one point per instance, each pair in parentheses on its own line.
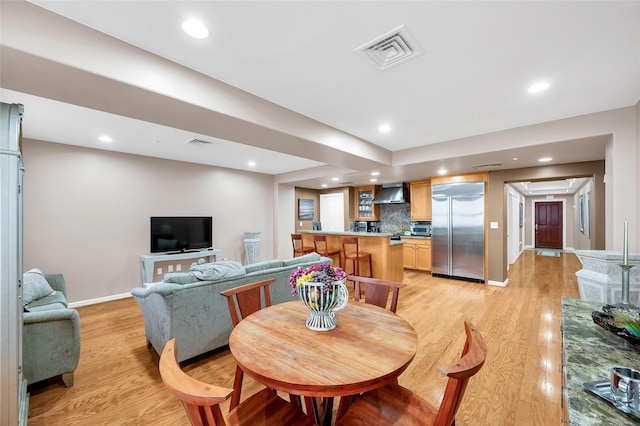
(386,254)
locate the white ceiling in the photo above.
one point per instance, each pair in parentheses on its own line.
(556,187)
(478,59)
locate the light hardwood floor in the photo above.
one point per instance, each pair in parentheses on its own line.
(117,380)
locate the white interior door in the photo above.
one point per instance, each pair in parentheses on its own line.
(332,211)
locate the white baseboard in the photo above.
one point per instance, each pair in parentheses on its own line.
(499,283)
(99,300)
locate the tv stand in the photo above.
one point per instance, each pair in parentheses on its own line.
(147,261)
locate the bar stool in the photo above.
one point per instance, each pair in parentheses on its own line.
(351,250)
(320,242)
(298,246)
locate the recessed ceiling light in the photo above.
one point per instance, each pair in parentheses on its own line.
(105,138)
(324,185)
(195,28)
(155,141)
(373,180)
(515,158)
(335,179)
(375,173)
(251,163)
(545,159)
(442,171)
(538,87)
(384,128)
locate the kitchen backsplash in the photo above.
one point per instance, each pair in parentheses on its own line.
(395,218)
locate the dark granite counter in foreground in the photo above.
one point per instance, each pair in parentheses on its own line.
(589,353)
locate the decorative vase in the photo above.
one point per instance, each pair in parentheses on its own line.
(323,304)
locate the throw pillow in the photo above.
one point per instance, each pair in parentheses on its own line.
(34,286)
(217,270)
(180,278)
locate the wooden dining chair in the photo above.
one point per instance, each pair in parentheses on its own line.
(298,246)
(351,252)
(376,291)
(243,301)
(201,400)
(322,248)
(393,404)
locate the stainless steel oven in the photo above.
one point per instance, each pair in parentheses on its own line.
(421,228)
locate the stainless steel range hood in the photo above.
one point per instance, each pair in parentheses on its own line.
(392,193)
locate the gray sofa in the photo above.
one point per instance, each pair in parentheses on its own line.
(50,335)
(193,311)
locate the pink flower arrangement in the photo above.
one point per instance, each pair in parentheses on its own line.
(323,273)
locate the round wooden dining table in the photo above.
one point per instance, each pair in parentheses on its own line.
(369,348)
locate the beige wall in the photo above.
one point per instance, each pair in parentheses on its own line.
(314,195)
(309,194)
(86,212)
(497,202)
(568,237)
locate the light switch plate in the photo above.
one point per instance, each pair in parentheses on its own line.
(494,225)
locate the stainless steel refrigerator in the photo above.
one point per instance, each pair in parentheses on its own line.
(457,230)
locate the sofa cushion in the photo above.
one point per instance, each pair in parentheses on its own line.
(34,286)
(217,270)
(311,257)
(180,278)
(263,266)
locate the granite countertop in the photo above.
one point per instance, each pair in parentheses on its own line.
(355,234)
(590,352)
(419,237)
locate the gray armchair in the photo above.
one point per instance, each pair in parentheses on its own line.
(51,336)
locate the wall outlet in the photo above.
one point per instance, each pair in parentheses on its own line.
(159,271)
(300,223)
(170,268)
(178,267)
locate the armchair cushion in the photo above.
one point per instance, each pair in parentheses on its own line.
(54,300)
(35,286)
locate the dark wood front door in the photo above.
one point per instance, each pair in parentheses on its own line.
(549,225)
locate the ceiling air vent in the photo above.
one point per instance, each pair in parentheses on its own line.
(392,48)
(199,142)
(487,166)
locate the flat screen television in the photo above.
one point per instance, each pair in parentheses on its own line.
(180,234)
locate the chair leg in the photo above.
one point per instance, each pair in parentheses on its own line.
(237,388)
(345,402)
(370,268)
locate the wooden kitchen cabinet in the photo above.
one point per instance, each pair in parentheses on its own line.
(417,253)
(420,199)
(364,207)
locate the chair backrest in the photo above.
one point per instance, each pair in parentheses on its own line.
(245,299)
(201,400)
(320,243)
(298,245)
(459,373)
(376,291)
(350,246)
